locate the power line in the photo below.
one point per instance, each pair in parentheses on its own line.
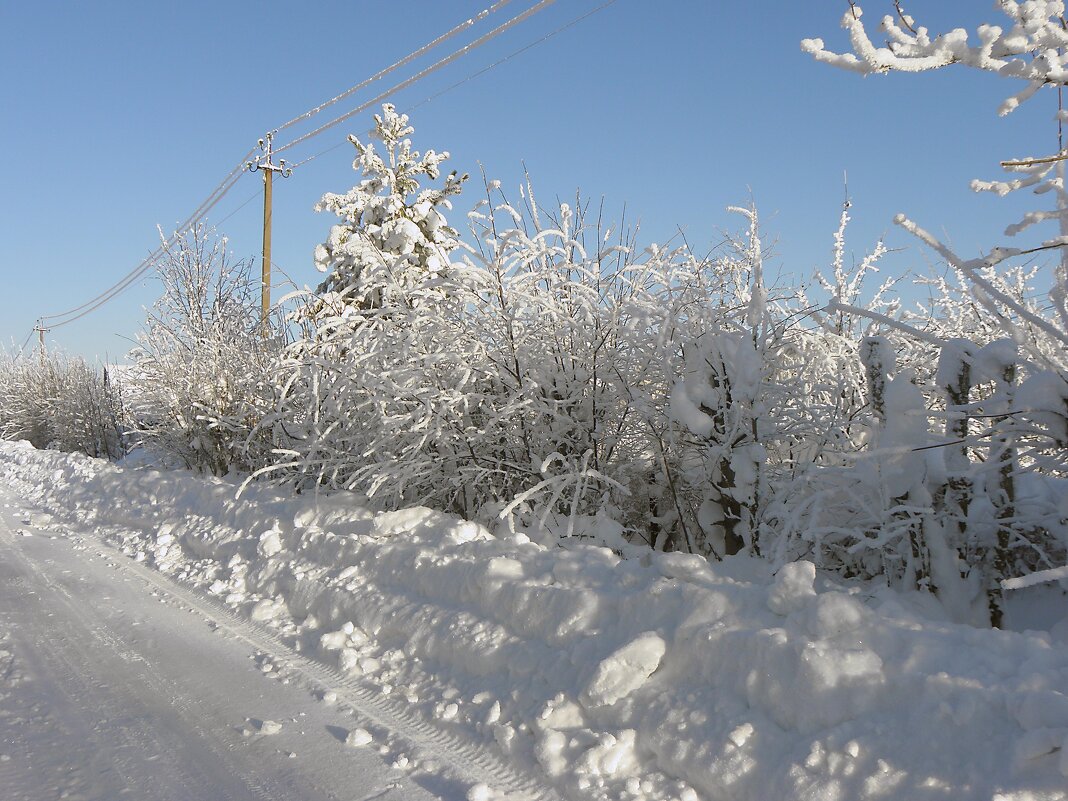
(244,203)
(463,51)
(392,67)
(91,305)
(219,191)
(477,74)
(71,315)
(150,261)
(512,55)
(26,341)
(147,264)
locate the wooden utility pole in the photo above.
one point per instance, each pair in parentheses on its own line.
(269,169)
(40,329)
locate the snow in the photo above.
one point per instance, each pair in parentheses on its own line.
(661,676)
(358,737)
(1044,395)
(793,588)
(901,466)
(269,727)
(113,687)
(624,671)
(994,358)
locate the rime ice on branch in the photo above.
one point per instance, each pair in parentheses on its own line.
(1031,49)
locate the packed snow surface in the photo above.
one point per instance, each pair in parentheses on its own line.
(660,676)
(113,687)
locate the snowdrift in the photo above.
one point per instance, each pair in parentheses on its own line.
(660,677)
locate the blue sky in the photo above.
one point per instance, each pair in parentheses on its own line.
(121,115)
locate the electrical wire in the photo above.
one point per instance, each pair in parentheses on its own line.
(463,51)
(397,65)
(123,283)
(91,305)
(147,264)
(133,274)
(512,55)
(26,341)
(64,318)
(476,74)
(244,203)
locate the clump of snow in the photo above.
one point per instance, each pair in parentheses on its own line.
(267,609)
(793,587)
(270,543)
(269,727)
(1044,396)
(834,613)
(624,670)
(994,358)
(358,737)
(613,754)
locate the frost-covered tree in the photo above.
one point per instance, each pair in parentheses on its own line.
(392,234)
(1031,49)
(58,401)
(201,378)
(381,338)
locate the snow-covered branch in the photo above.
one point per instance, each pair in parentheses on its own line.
(1031,48)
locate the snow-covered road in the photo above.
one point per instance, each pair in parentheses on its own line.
(115,682)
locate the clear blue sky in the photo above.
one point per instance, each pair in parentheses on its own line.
(121,115)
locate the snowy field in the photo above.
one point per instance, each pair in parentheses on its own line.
(159,635)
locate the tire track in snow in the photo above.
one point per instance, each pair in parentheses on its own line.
(430,743)
(112,746)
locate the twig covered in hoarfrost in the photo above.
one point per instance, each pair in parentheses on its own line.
(972,268)
(1032,48)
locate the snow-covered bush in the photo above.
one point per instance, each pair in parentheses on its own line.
(465,389)
(549,303)
(548,374)
(202,374)
(63,402)
(756,398)
(1003,373)
(587,337)
(827,501)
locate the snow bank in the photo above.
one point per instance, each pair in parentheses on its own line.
(658,678)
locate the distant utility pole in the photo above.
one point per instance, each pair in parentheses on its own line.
(269,169)
(40,329)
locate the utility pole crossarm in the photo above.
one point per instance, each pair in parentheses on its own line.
(269,168)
